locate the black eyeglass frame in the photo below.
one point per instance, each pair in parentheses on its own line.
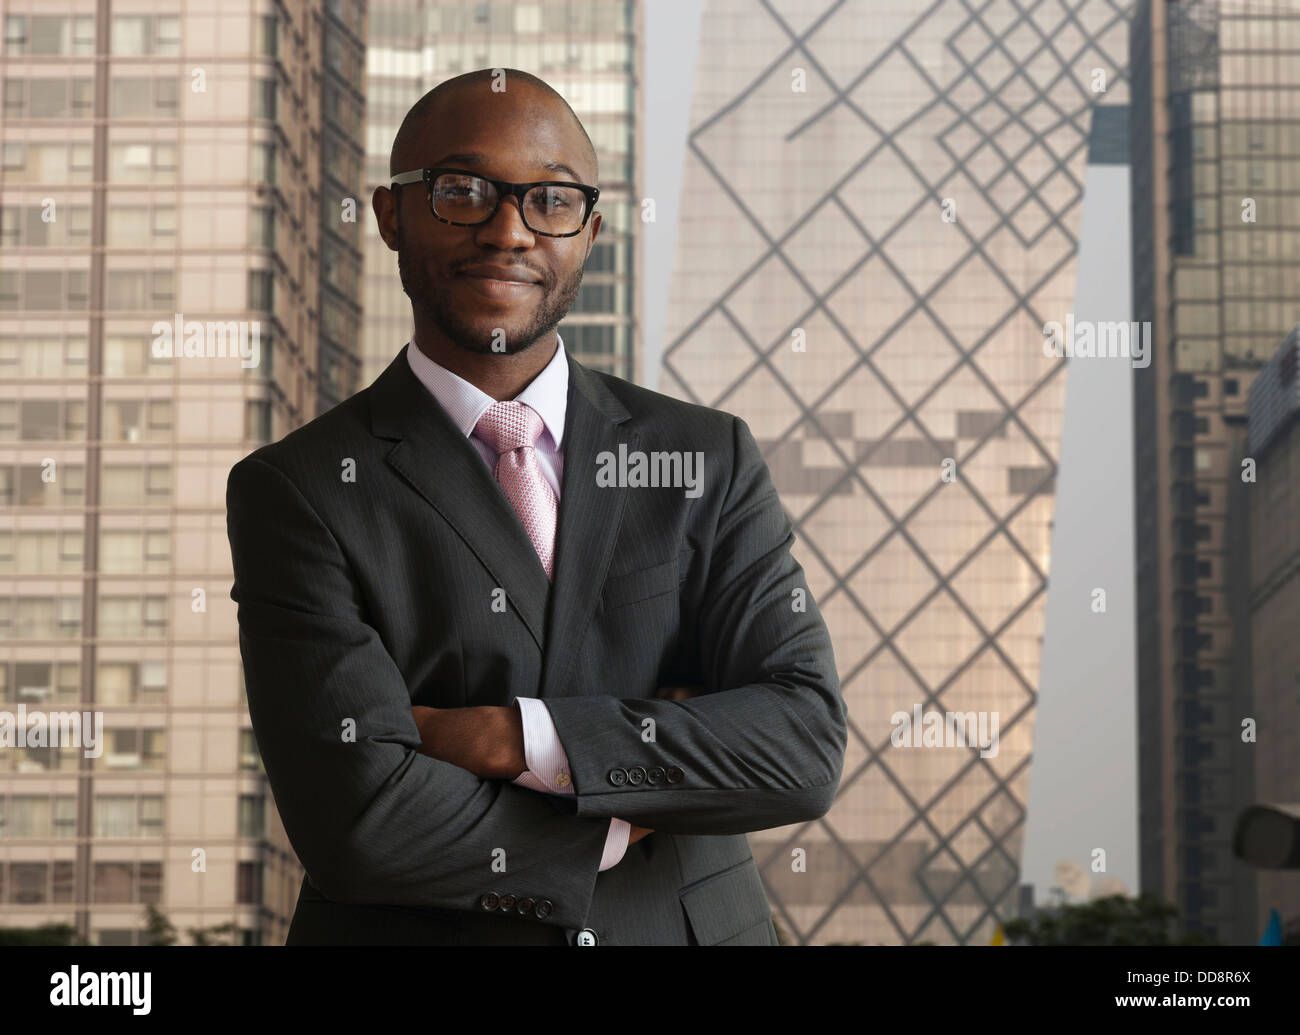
(504,189)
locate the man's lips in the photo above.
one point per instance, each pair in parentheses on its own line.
(502,283)
(510,274)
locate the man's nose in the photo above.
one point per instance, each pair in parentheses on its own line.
(506,228)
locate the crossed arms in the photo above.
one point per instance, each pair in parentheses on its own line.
(375,821)
(490,742)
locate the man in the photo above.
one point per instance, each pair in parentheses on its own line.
(504,691)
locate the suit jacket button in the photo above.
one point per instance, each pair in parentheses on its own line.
(674,774)
(489,901)
(507,903)
(587,936)
(524,906)
(618,777)
(655,775)
(636,776)
(543,909)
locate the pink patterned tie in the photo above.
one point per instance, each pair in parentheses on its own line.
(511,430)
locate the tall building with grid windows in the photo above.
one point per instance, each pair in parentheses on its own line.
(159,162)
(880,211)
(1273,441)
(1216,216)
(589,51)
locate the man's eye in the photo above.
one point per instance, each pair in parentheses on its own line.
(552,202)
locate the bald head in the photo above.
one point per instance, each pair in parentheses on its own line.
(473,94)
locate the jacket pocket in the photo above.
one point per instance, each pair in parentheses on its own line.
(631,586)
(726,904)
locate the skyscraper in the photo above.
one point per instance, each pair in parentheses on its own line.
(1274,573)
(1216,206)
(879,214)
(173,293)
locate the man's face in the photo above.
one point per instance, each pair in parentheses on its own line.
(505,139)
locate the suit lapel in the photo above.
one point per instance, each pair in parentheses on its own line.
(442,465)
(589,520)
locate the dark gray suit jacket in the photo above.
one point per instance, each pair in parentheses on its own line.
(360,598)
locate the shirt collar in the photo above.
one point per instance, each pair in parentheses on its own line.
(465,403)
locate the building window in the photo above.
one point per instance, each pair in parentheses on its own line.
(248,754)
(28,883)
(263,106)
(264,36)
(252,816)
(138,35)
(15,34)
(260,290)
(113,882)
(248,884)
(15,98)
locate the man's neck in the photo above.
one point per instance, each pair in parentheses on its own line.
(496,374)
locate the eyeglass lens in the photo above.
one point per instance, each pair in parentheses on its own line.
(468,199)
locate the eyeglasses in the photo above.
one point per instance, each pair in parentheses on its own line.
(552,208)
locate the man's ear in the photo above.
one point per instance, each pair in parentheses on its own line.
(591,240)
(384,202)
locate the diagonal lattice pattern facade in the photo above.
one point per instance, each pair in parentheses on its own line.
(873,344)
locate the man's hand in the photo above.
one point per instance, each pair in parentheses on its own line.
(488,740)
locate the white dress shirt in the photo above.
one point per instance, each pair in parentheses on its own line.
(548,394)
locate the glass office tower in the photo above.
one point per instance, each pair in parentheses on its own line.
(880,212)
(1216,207)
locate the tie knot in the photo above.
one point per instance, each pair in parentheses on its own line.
(508,425)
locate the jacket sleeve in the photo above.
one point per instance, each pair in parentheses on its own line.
(763,749)
(372,820)
(546,762)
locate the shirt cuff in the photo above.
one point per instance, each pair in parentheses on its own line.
(615,843)
(548,765)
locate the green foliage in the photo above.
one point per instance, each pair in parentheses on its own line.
(160,930)
(46,934)
(216,935)
(1113,920)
